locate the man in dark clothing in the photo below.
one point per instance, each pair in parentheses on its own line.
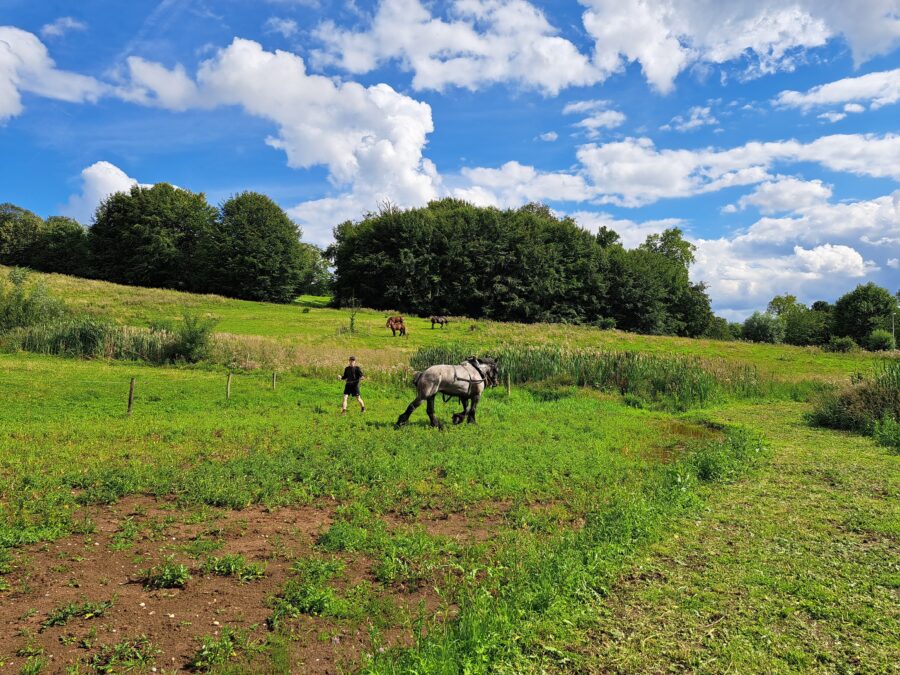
(352,376)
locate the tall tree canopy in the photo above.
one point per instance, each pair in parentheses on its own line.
(20,230)
(862,310)
(516,265)
(148,236)
(252,251)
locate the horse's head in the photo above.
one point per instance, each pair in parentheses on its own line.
(491,371)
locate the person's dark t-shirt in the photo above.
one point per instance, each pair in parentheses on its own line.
(352,375)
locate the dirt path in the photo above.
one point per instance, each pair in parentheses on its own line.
(796,568)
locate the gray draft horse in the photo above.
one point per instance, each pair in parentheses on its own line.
(467,381)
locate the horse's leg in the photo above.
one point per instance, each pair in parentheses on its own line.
(459,417)
(475,400)
(410,409)
(435,422)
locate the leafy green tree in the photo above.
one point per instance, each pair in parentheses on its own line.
(20,230)
(782,305)
(718,329)
(252,251)
(62,246)
(672,245)
(806,326)
(149,237)
(316,277)
(521,264)
(862,310)
(761,327)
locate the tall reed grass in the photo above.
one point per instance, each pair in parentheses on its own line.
(869,405)
(679,382)
(89,337)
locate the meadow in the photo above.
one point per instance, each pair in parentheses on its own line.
(690,520)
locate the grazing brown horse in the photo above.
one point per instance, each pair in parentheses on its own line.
(395,323)
(440,320)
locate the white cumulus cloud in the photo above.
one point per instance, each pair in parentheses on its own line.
(515,184)
(26,66)
(698,116)
(480,43)
(371,139)
(876,89)
(63,25)
(786,194)
(98,181)
(633,172)
(284,27)
(666,36)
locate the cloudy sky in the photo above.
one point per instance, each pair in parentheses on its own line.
(766,129)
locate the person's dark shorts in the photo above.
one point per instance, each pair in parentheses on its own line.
(351,389)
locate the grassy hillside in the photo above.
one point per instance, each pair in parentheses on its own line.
(308,333)
(569,531)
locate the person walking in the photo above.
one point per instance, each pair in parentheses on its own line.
(352,376)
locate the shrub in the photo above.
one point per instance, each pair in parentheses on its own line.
(887,433)
(25,304)
(841,344)
(880,341)
(864,405)
(193,338)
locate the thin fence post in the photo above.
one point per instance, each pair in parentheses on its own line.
(130,396)
(508,384)
(274,378)
(228,387)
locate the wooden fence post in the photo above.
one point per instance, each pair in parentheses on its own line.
(274,378)
(508,385)
(130,396)
(228,387)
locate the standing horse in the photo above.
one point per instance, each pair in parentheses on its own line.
(467,381)
(440,320)
(395,323)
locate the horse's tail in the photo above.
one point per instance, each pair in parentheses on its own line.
(416,377)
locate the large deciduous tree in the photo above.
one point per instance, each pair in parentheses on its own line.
(149,235)
(863,310)
(20,230)
(252,251)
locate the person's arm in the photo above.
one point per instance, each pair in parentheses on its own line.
(344,376)
(360,373)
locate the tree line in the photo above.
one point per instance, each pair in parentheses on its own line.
(524,264)
(165,237)
(864,317)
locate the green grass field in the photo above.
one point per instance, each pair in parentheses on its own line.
(569,531)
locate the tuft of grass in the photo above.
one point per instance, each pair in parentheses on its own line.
(33,665)
(234,565)
(167,574)
(129,654)
(308,592)
(86,610)
(218,650)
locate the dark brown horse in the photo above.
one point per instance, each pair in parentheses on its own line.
(439,320)
(395,323)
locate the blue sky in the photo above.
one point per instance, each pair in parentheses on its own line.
(767,130)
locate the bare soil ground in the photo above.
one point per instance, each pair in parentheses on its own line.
(99,567)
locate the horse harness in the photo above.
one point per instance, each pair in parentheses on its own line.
(456,378)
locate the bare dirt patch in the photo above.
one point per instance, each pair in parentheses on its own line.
(137,533)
